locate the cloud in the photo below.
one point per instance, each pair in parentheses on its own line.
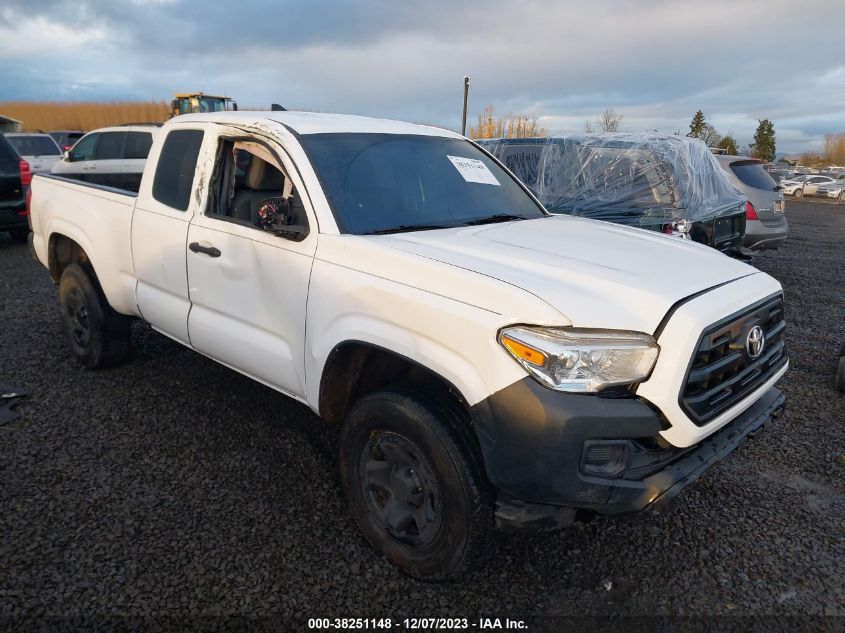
(654,61)
(41,36)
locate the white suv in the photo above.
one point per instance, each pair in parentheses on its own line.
(112,156)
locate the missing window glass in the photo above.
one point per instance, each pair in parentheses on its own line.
(250,188)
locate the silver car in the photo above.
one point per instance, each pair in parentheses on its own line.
(765,221)
(806,185)
(835,190)
(39,150)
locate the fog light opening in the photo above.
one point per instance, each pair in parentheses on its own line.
(604,458)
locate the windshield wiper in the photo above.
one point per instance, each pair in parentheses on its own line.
(492,219)
(402,228)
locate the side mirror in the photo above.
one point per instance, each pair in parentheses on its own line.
(274,215)
(293,232)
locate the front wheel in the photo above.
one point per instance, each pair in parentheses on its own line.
(414,484)
(98,336)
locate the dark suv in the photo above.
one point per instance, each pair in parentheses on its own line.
(652,181)
(14,184)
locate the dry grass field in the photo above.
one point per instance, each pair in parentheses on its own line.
(77,115)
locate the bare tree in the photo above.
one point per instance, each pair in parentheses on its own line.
(834,148)
(609,120)
(511,126)
(588,127)
(709,135)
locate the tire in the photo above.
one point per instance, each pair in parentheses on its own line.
(98,336)
(799,193)
(841,199)
(414,482)
(19,235)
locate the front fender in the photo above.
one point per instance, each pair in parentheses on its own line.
(455,340)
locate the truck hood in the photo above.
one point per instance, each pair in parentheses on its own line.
(596,274)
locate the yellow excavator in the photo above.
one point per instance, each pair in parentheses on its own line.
(195,102)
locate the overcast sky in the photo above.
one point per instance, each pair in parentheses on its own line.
(655,61)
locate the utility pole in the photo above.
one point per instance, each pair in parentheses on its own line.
(466,98)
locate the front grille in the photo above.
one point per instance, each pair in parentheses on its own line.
(722,372)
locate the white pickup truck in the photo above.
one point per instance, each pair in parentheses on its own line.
(491,365)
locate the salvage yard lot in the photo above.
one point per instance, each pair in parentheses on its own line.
(174,486)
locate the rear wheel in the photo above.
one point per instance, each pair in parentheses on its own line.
(799,193)
(19,235)
(98,336)
(414,484)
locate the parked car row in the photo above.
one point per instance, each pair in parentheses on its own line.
(671,184)
(112,156)
(815,185)
(667,183)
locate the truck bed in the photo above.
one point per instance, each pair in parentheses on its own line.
(90,215)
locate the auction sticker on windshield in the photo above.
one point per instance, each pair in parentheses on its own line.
(473,170)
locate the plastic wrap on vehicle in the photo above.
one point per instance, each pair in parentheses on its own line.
(639,179)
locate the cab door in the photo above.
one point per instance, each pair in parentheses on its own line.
(249,285)
(165,204)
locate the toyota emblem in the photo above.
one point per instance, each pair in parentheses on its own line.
(755,342)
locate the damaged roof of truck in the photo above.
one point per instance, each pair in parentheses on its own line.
(321,123)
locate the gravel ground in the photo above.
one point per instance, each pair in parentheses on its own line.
(173,486)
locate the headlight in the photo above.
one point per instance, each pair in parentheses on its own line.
(581,361)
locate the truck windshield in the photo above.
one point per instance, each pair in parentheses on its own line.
(388,183)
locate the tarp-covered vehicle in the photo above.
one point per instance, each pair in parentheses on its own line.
(666,183)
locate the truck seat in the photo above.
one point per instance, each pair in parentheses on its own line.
(263,181)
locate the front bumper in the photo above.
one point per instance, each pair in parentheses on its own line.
(533,440)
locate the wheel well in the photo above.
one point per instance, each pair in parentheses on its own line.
(354,369)
(63,251)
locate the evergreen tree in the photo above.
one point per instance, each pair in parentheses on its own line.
(696,127)
(729,143)
(764,141)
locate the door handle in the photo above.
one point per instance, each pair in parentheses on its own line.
(208,250)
